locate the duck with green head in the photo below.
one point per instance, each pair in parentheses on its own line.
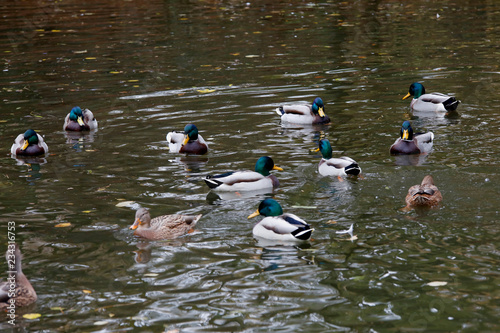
(278,226)
(409,143)
(187,142)
(29,144)
(247,180)
(425,195)
(304,114)
(340,167)
(432,102)
(78,120)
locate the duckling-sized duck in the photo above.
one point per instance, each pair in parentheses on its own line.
(78,120)
(162,227)
(29,144)
(410,143)
(17,289)
(278,226)
(246,180)
(433,102)
(304,114)
(424,195)
(340,167)
(188,142)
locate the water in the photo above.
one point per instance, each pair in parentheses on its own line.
(147,68)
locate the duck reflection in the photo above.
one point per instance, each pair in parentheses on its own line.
(191,163)
(33,165)
(213,197)
(281,255)
(80,140)
(305,132)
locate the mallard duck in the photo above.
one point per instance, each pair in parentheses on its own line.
(246,180)
(279,226)
(304,114)
(29,144)
(329,166)
(162,227)
(23,293)
(424,195)
(188,142)
(78,120)
(409,143)
(433,102)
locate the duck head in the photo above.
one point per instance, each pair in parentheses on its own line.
(325,148)
(416,90)
(190,133)
(406,131)
(266,164)
(142,218)
(268,207)
(318,107)
(30,138)
(76,114)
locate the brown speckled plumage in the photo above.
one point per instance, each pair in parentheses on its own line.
(424,195)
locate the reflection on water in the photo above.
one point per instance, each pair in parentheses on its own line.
(145,68)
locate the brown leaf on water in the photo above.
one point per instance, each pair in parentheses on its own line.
(331,222)
(62,225)
(86,291)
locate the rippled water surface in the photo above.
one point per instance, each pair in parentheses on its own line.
(147,67)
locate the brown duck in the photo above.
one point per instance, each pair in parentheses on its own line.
(424,195)
(162,227)
(23,294)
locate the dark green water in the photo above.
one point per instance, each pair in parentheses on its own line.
(145,68)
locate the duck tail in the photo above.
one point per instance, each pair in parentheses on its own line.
(212,183)
(280,111)
(303,233)
(353,169)
(451,104)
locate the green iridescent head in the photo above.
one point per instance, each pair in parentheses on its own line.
(416,90)
(266,164)
(318,107)
(268,207)
(325,148)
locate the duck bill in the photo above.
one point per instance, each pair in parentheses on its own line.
(277,168)
(25,145)
(186,140)
(407,95)
(80,121)
(405,135)
(136,224)
(316,150)
(254,214)
(321,112)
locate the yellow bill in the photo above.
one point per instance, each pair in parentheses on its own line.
(277,168)
(406,135)
(186,140)
(321,112)
(25,145)
(407,95)
(254,214)
(80,121)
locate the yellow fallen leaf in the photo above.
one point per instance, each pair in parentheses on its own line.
(125,204)
(235,54)
(86,291)
(204,91)
(32,315)
(57,308)
(86,211)
(56,30)
(331,222)
(62,225)
(133,81)
(90,58)
(114,72)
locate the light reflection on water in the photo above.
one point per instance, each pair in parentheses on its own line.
(190,62)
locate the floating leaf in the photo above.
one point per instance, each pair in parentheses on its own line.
(101,322)
(151,274)
(437,283)
(331,222)
(90,58)
(32,315)
(305,207)
(86,211)
(86,291)
(235,54)
(204,91)
(252,56)
(79,52)
(114,72)
(62,225)
(57,308)
(125,204)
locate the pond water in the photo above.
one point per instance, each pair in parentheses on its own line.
(147,67)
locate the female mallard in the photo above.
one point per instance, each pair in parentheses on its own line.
(433,102)
(188,142)
(78,120)
(246,180)
(29,144)
(329,166)
(279,226)
(412,144)
(162,227)
(304,114)
(424,195)
(17,289)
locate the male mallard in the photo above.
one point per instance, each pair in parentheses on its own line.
(162,227)
(433,102)
(412,144)
(329,166)
(424,195)
(29,144)
(23,293)
(189,141)
(78,120)
(246,180)
(279,226)
(304,114)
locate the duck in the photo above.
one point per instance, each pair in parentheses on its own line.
(424,195)
(304,114)
(24,294)
(410,143)
(162,227)
(432,102)
(188,142)
(78,120)
(29,144)
(278,226)
(246,180)
(340,167)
